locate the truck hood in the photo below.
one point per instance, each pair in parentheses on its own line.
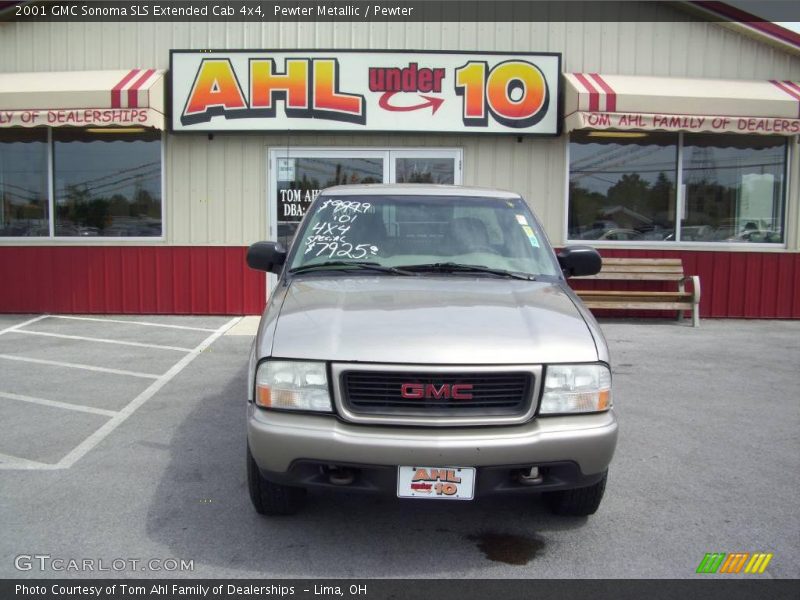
(428,320)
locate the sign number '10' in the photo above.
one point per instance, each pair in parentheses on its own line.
(514,92)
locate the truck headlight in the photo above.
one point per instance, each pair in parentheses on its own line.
(293,385)
(576,389)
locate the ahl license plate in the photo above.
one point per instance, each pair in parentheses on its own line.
(436,483)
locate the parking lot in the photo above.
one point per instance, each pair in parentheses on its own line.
(122,438)
(70,381)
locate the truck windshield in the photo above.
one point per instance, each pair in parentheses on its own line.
(419,231)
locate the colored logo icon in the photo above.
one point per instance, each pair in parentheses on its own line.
(735,562)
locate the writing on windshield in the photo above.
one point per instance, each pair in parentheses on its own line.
(329,236)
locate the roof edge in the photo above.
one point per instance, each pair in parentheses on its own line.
(746,22)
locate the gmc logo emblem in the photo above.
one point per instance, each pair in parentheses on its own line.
(456,391)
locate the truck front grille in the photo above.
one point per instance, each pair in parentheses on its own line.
(446,394)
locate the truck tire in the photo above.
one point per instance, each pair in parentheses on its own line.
(271,498)
(578,502)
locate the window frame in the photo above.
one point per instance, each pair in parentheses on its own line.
(89,240)
(680,200)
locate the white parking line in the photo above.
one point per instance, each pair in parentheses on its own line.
(102,340)
(99,435)
(145,323)
(15,462)
(57,404)
(58,363)
(18,325)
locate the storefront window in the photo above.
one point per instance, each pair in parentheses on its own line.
(23,183)
(107,184)
(734,188)
(622,186)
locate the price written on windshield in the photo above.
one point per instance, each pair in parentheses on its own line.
(329,238)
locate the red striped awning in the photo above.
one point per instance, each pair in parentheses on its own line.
(132,97)
(626,102)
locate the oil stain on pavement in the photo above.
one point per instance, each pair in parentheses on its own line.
(507,548)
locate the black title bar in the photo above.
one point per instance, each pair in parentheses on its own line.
(734,588)
(382,11)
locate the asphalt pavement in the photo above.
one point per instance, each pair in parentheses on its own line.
(135,452)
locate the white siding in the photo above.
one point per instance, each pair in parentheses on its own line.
(216,189)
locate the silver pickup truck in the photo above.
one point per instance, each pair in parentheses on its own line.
(422,341)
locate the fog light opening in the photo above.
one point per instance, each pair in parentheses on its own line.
(530,476)
(340,475)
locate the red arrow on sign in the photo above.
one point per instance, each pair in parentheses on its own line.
(431,101)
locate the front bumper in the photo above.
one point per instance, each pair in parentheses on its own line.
(290,448)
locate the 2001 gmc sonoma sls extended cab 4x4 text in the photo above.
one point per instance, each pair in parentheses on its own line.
(422,341)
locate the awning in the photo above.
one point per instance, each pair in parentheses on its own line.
(133,97)
(625,102)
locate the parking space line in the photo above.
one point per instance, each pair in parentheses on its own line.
(57,404)
(145,323)
(102,340)
(18,325)
(58,363)
(100,434)
(15,462)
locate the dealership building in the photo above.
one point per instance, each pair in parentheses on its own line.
(139,159)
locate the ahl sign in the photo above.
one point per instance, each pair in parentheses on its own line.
(365,91)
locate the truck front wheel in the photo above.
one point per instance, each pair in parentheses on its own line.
(271,498)
(578,502)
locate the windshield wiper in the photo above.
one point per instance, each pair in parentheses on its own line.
(451,267)
(339,265)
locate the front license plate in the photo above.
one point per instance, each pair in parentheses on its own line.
(436,483)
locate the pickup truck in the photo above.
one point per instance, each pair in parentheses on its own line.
(422,341)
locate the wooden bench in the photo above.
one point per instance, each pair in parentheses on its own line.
(645,269)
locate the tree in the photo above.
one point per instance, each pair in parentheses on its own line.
(631,191)
(661,201)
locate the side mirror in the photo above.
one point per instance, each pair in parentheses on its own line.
(578,261)
(266,256)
